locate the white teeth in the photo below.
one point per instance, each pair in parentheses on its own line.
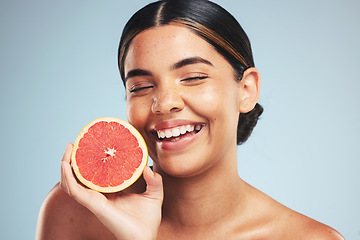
(175,132)
(161,134)
(182,130)
(168,133)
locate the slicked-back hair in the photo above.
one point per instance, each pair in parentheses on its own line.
(212,23)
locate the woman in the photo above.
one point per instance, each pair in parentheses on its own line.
(192,92)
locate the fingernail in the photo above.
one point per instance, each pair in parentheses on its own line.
(151,171)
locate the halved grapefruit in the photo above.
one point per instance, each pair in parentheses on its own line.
(109,155)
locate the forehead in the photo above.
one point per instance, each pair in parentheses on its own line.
(165,45)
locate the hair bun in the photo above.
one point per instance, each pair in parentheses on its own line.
(247,122)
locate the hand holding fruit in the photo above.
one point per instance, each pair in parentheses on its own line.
(127,216)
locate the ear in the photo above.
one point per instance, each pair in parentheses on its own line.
(249,90)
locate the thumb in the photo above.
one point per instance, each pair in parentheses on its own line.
(154,183)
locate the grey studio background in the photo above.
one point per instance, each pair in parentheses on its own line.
(59,71)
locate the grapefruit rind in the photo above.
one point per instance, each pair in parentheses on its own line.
(135,176)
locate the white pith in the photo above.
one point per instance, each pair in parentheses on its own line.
(110,151)
(177,131)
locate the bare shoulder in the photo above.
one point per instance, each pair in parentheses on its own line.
(312,229)
(300,226)
(282,222)
(61,217)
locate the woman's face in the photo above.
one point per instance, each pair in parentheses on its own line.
(183,98)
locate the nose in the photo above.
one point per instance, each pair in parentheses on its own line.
(167,100)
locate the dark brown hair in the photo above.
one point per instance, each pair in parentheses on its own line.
(212,23)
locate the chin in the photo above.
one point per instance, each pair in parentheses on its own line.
(178,167)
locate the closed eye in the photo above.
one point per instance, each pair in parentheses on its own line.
(133,90)
(193,80)
(140,87)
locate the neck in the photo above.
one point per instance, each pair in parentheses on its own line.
(205,200)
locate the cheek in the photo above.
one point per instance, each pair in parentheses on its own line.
(219,106)
(211,101)
(216,102)
(136,115)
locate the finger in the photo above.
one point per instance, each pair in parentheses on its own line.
(154,183)
(66,157)
(64,162)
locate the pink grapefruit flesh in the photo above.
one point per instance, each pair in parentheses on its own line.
(109,155)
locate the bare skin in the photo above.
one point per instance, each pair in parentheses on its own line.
(61,217)
(195,192)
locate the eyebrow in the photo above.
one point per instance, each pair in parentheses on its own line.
(182,63)
(137,72)
(190,61)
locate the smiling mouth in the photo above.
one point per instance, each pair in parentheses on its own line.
(179,132)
